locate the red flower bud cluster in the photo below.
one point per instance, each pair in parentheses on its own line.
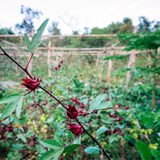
(81,105)
(75,100)
(72,112)
(75,128)
(4,130)
(59,65)
(31,84)
(126,107)
(81,113)
(107,99)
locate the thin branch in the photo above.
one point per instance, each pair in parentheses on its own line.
(71,142)
(29,61)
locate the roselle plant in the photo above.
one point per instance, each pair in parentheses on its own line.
(57,147)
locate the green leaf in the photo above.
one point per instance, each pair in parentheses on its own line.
(36,39)
(21,136)
(27,42)
(70,149)
(10,98)
(112,138)
(115,57)
(104,105)
(155,154)
(8,111)
(101,130)
(59,140)
(96,101)
(144,151)
(51,144)
(146,120)
(19,106)
(92,150)
(52,154)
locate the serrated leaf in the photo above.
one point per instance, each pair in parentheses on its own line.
(9,98)
(97,101)
(104,105)
(8,111)
(92,150)
(101,130)
(52,154)
(50,144)
(28,43)
(36,39)
(19,107)
(59,140)
(143,151)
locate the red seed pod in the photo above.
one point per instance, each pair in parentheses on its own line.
(126,107)
(72,112)
(31,84)
(75,128)
(108,132)
(2,136)
(107,99)
(59,66)
(81,105)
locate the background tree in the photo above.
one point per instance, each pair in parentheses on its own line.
(28,22)
(127,26)
(54,30)
(145,24)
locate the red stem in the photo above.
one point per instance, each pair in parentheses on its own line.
(29,61)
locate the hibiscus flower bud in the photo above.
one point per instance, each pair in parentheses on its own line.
(107,99)
(126,107)
(76,101)
(75,128)
(72,112)
(59,66)
(10,128)
(2,136)
(81,105)
(31,84)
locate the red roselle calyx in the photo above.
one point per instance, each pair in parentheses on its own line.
(75,128)
(72,112)
(31,84)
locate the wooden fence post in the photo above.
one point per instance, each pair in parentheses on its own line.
(49,60)
(110,64)
(97,61)
(131,62)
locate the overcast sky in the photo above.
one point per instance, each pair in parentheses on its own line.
(85,13)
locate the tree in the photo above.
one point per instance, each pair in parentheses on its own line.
(28,22)
(8,31)
(113,28)
(145,24)
(54,29)
(127,26)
